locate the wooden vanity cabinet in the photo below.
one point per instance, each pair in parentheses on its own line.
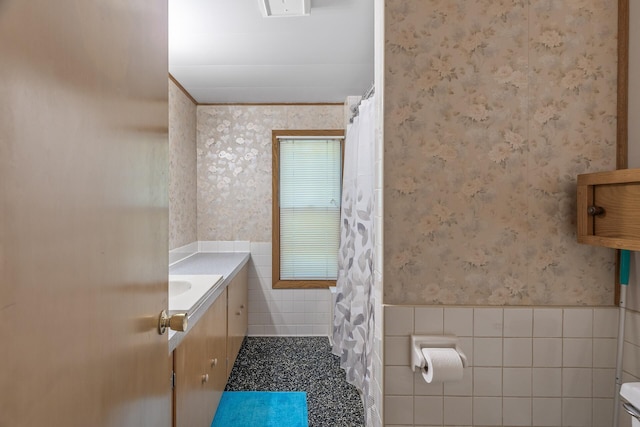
(237,315)
(609,209)
(204,359)
(216,352)
(200,368)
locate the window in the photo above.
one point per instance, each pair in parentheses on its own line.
(307,185)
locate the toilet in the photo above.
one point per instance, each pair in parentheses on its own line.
(631,393)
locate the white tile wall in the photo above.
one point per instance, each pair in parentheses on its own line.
(458,321)
(602,411)
(547,322)
(603,382)
(487,411)
(578,322)
(518,322)
(630,358)
(517,382)
(577,352)
(547,352)
(428,320)
(457,388)
(517,351)
(576,382)
(224,246)
(487,351)
(487,322)
(547,411)
(457,411)
(516,411)
(398,410)
(577,412)
(605,323)
(528,366)
(283,311)
(487,381)
(428,410)
(547,382)
(273,312)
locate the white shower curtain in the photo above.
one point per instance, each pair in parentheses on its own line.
(353,322)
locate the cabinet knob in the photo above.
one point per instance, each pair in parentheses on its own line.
(214,362)
(176,322)
(595,210)
(242,306)
(205,378)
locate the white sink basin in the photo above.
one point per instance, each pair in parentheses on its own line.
(186,291)
(178,287)
(631,393)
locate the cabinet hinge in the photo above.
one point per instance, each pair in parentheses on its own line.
(173,380)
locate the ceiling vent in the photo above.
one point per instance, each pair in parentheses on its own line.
(273,8)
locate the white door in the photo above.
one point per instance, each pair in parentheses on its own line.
(83,213)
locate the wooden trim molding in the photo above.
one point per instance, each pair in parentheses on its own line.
(622,131)
(187,94)
(228,104)
(623,85)
(275,238)
(293,104)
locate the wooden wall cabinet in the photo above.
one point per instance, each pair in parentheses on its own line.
(237,316)
(200,368)
(609,209)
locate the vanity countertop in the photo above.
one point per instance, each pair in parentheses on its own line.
(228,264)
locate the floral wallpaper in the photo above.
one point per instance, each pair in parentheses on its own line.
(182,168)
(234,164)
(492,107)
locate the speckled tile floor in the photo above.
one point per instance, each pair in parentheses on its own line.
(299,364)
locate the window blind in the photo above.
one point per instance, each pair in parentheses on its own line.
(310,188)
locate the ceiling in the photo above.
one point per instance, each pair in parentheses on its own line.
(226,51)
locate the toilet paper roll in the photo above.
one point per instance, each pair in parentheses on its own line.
(442,364)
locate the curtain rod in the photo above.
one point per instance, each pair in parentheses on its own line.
(368,94)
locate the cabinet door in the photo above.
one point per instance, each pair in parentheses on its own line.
(216,352)
(190,388)
(238,318)
(200,368)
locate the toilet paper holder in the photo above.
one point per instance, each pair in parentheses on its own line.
(418,342)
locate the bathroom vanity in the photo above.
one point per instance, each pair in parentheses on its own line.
(204,354)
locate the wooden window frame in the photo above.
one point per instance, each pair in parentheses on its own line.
(275,240)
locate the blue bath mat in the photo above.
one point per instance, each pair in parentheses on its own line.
(261,409)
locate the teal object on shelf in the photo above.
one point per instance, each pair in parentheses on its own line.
(625,256)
